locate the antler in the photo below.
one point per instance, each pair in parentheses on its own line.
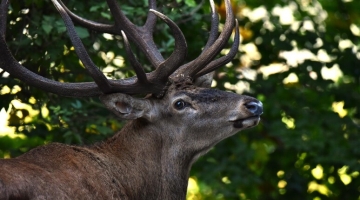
(203,64)
(143,83)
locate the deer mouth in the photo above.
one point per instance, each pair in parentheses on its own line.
(247,122)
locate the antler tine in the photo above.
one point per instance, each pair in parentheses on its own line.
(136,34)
(207,55)
(214,26)
(212,38)
(151,18)
(96,26)
(93,70)
(3,16)
(108,28)
(225,59)
(166,68)
(140,73)
(141,36)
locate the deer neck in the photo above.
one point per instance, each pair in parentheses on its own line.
(140,149)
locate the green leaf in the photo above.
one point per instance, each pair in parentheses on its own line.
(47,28)
(60,26)
(190,3)
(94,8)
(106,15)
(82,32)
(77,104)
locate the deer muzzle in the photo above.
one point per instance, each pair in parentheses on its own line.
(255,109)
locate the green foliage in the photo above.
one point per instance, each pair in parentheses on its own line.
(307,145)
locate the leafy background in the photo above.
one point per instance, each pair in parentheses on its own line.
(300,57)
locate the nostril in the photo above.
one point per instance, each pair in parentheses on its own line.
(255,107)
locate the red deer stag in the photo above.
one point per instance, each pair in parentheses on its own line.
(151,156)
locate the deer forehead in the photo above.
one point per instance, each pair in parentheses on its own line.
(205,95)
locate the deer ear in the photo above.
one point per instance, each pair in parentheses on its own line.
(204,80)
(128,107)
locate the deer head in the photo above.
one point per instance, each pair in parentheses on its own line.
(180,109)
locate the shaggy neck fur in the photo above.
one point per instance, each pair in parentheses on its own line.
(143,157)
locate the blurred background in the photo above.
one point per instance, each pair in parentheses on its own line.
(301,58)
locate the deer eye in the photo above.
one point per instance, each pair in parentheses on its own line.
(180,104)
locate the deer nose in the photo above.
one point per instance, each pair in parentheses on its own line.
(255,107)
